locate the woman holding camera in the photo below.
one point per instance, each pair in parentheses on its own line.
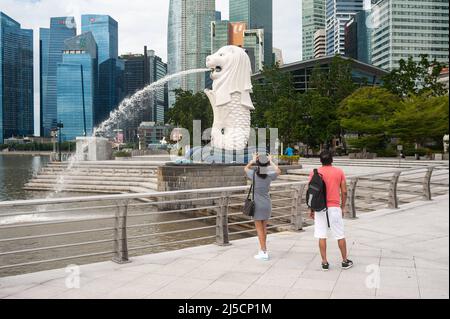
(263,171)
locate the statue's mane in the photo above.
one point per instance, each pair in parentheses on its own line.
(236,78)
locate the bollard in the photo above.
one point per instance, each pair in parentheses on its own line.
(120,234)
(222,235)
(352,196)
(427,183)
(296,213)
(393,198)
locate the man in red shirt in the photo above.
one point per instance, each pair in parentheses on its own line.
(336,190)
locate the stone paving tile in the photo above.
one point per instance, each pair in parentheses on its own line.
(39,292)
(183,288)
(276,278)
(8,291)
(430,293)
(314,284)
(307,294)
(264,292)
(399,293)
(213,295)
(227,287)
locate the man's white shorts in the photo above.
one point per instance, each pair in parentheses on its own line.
(336,224)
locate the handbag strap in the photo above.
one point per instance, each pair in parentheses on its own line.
(254,181)
(252,188)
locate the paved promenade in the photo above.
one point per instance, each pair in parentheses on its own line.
(397,254)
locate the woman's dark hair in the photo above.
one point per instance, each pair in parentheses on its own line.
(326,158)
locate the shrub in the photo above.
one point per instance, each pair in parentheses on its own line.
(122,154)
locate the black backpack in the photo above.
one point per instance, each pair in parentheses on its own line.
(316,195)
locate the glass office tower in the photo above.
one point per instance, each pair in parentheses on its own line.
(257,14)
(188,42)
(338,13)
(106,34)
(16,79)
(77,87)
(409,28)
(313,19)
(51,45)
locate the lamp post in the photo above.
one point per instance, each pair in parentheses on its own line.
(60,125)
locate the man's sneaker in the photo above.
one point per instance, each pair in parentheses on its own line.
(347,264)
(262,256)
(325,267)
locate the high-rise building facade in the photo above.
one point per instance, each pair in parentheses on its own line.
(254,42)
(141,70)
(188,42)
(358,37)
(257,14)
(338,13)
(404,28)
(220,34)
(235,33)
(77,87)
(51,45)
(16,79)
(313,19)
(319,43)
(106,35)
(158,70)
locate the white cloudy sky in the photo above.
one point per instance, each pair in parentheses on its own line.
(142,22)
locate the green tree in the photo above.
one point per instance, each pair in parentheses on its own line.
(415,78)
(421,118)
(275,85)
(285,115)
(317,123)
(336,81)
(368,113)
(189,107)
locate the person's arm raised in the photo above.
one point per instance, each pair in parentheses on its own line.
(275,166)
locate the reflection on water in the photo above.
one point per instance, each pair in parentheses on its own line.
(15,172)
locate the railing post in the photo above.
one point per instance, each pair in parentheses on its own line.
(296,212)
(222,235)
(352,197)
(427,183)
(120,234)
(393,198)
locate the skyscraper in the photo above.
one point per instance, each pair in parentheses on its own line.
(319,43)
(254,42)
(188,42)
(358,38)
(77,81)
(141,70)
(257,14)
(51,45)
(404,28)
(16,79)
(338,13)
(106,34)
(158,70)
(313,19)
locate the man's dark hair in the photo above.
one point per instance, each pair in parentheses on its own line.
(326,158)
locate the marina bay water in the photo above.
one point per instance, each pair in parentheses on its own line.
(15,172)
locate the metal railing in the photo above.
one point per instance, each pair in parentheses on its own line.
(36,233)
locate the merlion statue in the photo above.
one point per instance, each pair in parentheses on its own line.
(230,98)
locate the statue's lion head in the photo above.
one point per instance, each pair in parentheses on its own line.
(231,72)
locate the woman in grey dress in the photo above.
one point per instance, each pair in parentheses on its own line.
(265,172)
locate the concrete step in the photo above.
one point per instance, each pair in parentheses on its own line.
(81,188)
(88,182)
(50,178)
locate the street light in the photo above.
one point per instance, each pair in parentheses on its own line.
(60,125)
